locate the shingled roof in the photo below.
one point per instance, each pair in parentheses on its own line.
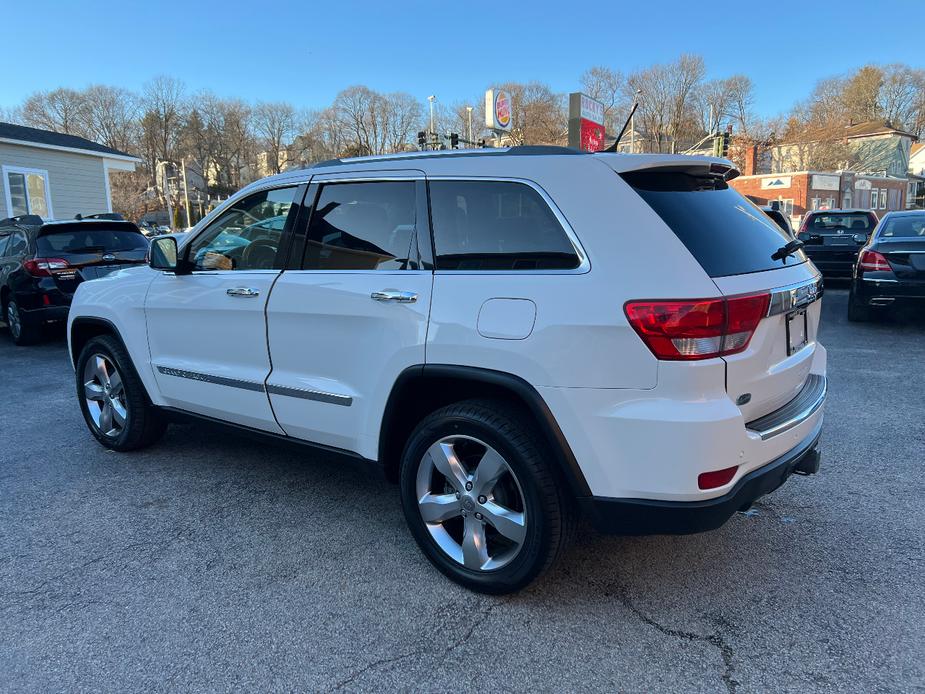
(49,138)
(873,127)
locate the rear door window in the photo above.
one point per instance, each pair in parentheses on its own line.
(727,234)
(367,225)
(497,226)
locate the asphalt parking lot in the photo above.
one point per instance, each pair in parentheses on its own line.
(214,562)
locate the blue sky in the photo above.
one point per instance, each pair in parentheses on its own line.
(305,52)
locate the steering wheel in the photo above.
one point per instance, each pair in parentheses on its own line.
(259,255)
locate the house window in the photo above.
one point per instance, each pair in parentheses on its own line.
(814,203)
(873,198)
(786,206)
(27,192)
(883,198)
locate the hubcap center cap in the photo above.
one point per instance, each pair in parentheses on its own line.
(468,503)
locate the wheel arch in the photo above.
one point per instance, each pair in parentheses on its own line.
(423,388)
(83,329)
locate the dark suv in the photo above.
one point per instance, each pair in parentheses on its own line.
(832,238)
(41,264)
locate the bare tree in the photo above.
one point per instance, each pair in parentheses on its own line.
(110,116)
(164,106)
(609,87)
(275,125)
(60,110)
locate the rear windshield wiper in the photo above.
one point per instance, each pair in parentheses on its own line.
(791,248)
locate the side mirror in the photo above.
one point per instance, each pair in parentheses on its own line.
(163,254)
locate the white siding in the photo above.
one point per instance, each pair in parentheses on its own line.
(77,181)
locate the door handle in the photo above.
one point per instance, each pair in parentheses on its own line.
(242,291)
(394,295)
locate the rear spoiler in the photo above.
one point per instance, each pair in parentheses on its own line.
(699,165)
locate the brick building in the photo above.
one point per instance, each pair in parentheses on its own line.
(801,191)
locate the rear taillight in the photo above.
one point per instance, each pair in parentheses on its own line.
(871,261)
(683,330)
(43,267)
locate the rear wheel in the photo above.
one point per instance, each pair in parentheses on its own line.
(113,399)
(481,496)
(22,329)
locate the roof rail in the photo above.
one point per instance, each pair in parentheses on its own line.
(517,150)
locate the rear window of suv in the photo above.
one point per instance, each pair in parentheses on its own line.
(839,223)
(727,234)
(81,241)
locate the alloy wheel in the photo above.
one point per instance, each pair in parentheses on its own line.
(471,503)
(13,320)
(104,394)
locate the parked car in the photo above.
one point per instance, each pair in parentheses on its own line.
(509,334)
(832,238)
(42,263)
(890,271)
(779,218)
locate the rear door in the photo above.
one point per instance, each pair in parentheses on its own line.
(350,314)
(734,241)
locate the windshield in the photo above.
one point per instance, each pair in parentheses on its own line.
(856,223)
(903,226)
(90,241)
(724,231)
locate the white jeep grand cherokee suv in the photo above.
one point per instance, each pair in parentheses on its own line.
(513,335)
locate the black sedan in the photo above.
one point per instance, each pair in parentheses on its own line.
(832,238)
(41,264)
(890,270)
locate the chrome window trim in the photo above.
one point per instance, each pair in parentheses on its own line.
(770,425)
(794,296)
(584,264)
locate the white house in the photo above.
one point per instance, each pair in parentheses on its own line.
(55,176)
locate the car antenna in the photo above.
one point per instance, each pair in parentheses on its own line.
(613,147)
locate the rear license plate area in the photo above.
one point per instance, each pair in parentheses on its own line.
(797,332)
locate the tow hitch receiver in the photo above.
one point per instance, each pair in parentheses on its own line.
(809,463)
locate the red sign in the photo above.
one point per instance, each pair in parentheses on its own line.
(592,136)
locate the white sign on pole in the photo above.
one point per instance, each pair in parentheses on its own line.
(498,112)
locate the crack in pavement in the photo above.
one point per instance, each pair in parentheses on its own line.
(715,639)
(483,616)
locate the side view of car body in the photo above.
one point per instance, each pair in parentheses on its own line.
(832,238)
(890,270)
(42,263)
(514,336)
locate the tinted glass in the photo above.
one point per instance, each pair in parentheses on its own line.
(858,223)
(3,244)
(727,234)
(496,225)
(907,226)
(17,244)
(362,226)
(246,235)
(78,241)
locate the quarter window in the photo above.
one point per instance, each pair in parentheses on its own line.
(27,192)
(247,235)
(17,244)
(496,225)
(362,226)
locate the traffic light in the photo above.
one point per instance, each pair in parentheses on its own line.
(481,143)
(422,139)
(725,150)
(454,141)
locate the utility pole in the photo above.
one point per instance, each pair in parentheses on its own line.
(166,191)
(185,191)
(432,98)
(469,113)
(633,125)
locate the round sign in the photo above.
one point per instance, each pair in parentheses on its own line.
(503,108)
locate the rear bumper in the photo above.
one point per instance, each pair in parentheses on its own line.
(865,290)
(48,314)
(653,517)
(833,261)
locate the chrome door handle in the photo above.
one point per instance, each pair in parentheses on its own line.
(242,291)
(394,295)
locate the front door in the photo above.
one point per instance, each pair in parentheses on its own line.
(207,329)
(352,315)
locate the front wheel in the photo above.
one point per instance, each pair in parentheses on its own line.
(113,399)
(482,498)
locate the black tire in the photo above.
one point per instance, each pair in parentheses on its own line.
(144,424)
(548,510)
(22,330)
(857,313)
